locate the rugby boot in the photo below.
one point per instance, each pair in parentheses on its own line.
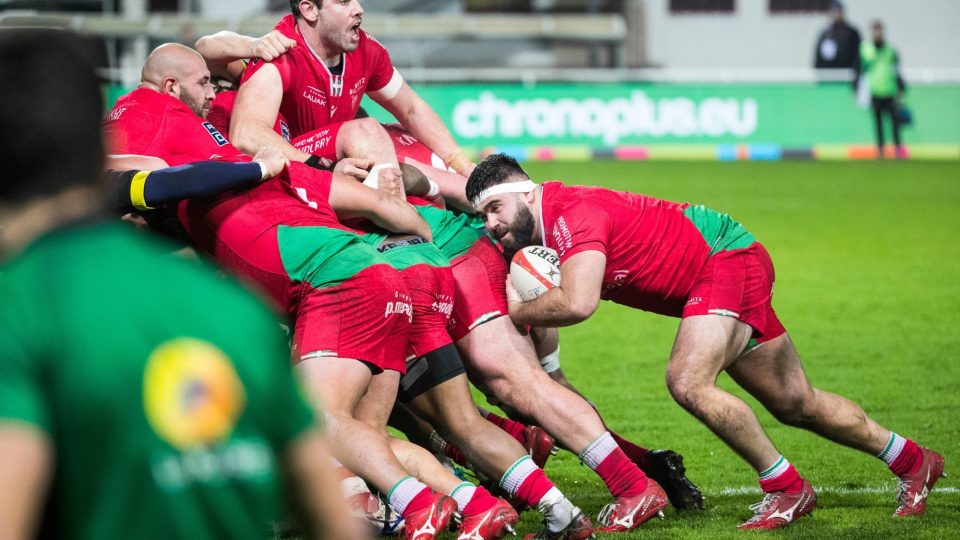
(491,524)
(666,467)
(428,523)
(779,509)
(627,513)
(914,488)
(539,444)
(579,528)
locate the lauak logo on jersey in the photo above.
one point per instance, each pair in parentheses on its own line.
(191,394)
(315,95)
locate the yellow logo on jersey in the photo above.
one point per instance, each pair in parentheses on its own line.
(191,393)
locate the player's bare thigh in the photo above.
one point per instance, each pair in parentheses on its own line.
(773,373)
(337,384)
(377,402)
(705,345)
(497,350)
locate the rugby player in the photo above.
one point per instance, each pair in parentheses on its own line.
(458,236)
(435,386)
(124,369)
(351,309)
(318,84)
(691,262)
(314,87)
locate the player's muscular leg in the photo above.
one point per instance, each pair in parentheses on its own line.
(374,407)
(365,138)
(338,385)
(774,375)
(452,411)
(421,464)
(703,348)
(504,361)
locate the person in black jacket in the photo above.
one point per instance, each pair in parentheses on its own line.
(838,46)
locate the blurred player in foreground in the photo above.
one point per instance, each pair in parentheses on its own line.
(141,396)
(691,262)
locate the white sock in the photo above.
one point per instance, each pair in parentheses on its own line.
(557,510)
(779,467)
(516,474)
(598,450)
(893,448)
(462,494)
(403,492)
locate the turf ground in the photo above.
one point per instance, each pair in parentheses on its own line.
(868,263)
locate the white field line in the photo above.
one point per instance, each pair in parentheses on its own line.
(881,490)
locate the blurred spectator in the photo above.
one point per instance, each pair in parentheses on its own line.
(838,46)
(881,70)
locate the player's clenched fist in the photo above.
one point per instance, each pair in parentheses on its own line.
(272,45)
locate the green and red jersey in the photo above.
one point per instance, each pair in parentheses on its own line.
(655,249)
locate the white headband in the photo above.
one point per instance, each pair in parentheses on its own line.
(507,187)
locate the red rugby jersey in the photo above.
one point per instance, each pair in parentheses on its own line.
(238,227)
(654,252)
(314,97)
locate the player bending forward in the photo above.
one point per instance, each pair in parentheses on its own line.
(691,262)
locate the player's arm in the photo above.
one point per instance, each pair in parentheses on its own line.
(255,113)
(416,183)
(26,465)
(422,122)
(350,199)
(453,187)
(573,301)
(320,505)
(225,51)
(144,189)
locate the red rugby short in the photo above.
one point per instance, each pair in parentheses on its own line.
(431,289)
(738,283)
(480,277)
(364,318)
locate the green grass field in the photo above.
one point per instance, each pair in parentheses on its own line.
(868,263)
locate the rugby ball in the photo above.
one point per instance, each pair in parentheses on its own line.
(534,270)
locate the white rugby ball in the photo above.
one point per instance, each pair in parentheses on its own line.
(535,270)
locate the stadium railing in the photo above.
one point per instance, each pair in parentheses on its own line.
(591,30)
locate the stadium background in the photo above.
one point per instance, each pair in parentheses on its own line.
(648,95)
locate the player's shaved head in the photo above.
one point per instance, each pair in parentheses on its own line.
(180,72)
(169,60)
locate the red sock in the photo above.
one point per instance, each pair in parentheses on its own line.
(789,482)
(622,476)
(637,454)
(419,502)
(455,454)
(534,487)
(909,460)
(514,428)
(481,501)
